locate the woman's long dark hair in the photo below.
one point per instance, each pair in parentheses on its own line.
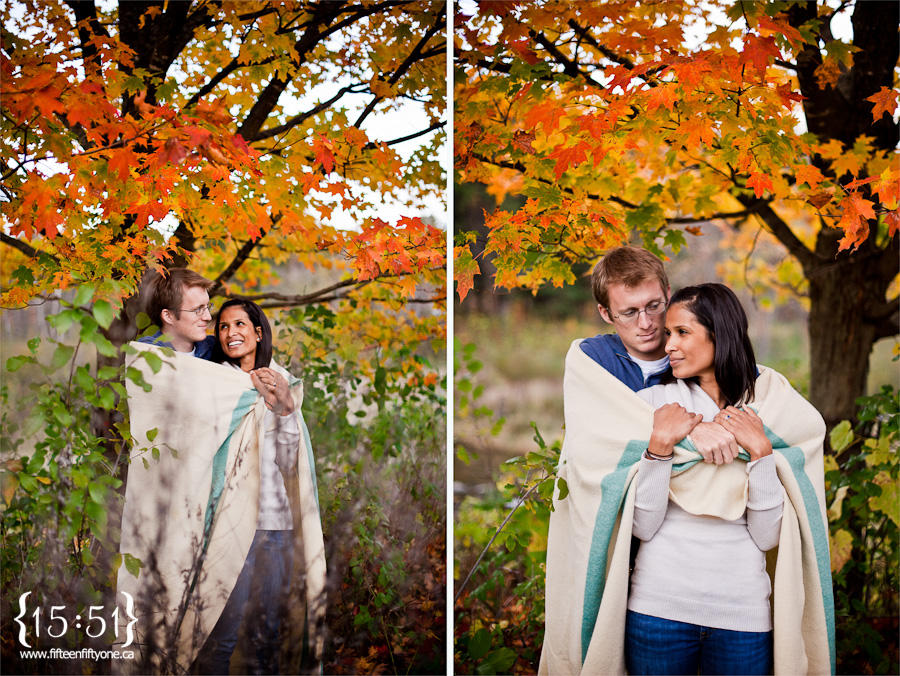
(719,311)
(258,319)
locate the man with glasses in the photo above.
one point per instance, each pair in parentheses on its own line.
(179,304)
(632,292)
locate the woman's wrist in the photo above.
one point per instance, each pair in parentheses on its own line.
(660,448)
(760,451)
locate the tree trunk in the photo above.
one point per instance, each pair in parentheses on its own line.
(840,338)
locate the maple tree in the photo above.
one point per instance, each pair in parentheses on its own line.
(630,120)
(226,136)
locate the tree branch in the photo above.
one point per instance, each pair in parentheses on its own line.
(437,125)
(678,220)
(302,117)
(783,233)
(569,67)
(242,255)
(24,247)
(413,56)
(325,294)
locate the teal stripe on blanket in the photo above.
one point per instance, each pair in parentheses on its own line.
(613,488)
(312,460)
(220,461)
(797,461)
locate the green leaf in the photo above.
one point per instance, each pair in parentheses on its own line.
(23,276)
(133,565)
(547,195)
(151,434)
(142,320)
(154,361)
(97,492)
(500,661)
(479,644)
(107,398)
(84,294)
(103,313)
(83,379)
(62,321)
(15,363)
(841,436)
(62,415)
(563,489)
(61,356)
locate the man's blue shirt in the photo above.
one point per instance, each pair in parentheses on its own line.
(202,349)
(608,351)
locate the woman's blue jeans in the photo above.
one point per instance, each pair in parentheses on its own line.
(669,648)
(263,583)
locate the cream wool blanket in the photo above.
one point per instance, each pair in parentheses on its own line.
(191,510)
(607,429)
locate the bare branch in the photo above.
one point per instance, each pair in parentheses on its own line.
(25,248)
(570,68)
(242,255)
(302,117)
(436,125)
(782,232)
(414,55)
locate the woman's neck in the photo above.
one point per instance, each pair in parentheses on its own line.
(711,387)
(247,362)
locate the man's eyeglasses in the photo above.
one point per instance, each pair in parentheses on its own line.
(654,308)
(197,311)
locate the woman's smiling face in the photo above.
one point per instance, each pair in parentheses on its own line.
(237,336)
(691,352)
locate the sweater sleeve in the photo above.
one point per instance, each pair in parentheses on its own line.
(765,504)
(652,496)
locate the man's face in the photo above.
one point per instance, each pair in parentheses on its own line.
(644,336)
(185,327)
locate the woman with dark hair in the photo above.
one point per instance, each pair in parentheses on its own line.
(716,619)
(244,342)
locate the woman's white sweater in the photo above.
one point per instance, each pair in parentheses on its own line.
(701,569)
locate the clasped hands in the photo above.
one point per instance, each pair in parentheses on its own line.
(717,442)
(274,389)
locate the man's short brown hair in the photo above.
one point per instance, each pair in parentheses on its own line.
(166,291)
(628,265)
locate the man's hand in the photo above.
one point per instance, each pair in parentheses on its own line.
(715,443)
(671,424)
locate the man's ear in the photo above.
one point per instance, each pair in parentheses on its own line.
(604,314)
(165,317)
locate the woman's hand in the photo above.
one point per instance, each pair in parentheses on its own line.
(671,424)
(274,389)
(748,430)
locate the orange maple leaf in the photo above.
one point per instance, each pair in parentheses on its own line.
(807,173)
(855,220)
(547,115)
(759,181)
(892,220)
(523,140)
(885,102)
(664,95)
(356,137)
(758,51)
(569,157)
(827,73)
(820,199)
(778,26)
(464,270)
